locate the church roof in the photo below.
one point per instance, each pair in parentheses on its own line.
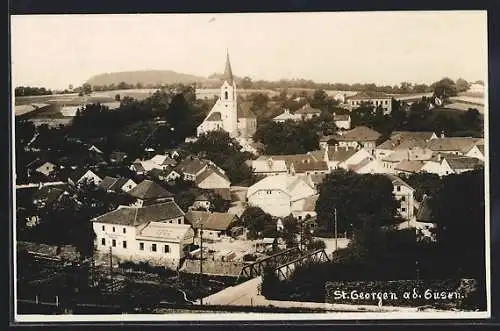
(244,111)
(228,72)
(215,117)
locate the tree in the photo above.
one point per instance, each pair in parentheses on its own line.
(117,97)
(185,199)
(290,230)
(256,220)
(444,88)
(462,85)
(423,183)
(246,83)
(471,120)
(357,199)
(86,89)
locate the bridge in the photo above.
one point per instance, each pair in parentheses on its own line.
(283,263)
(285,270)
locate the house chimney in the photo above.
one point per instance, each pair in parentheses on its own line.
(336,148)
(439,157)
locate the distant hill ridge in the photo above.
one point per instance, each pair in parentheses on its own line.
(147,77)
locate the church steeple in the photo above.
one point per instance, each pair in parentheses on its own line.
(228,73)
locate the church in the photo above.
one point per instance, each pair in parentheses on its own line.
(228,113)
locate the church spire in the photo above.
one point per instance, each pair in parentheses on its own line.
(228,73)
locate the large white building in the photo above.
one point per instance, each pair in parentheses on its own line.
(280,195)
(227,114)
(154,233)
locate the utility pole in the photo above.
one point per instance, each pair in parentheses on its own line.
(201,259)
(335,222)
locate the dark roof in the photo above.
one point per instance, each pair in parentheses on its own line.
(210,221)
(77,174)
(463,144)
(341,153)
(155,172)
(461,163)
(341,117)
(148,190)
(138,167)
(359,133)
(310,166)
(117,186)
(136,216)
(48,194)
(370,95)
(413,166)
(191,165)
(208,172)
(307,109)
(107,182)
(406,139)
(481,148)
(215,117)
(228,72)
(244,110)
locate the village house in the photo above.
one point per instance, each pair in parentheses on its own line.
(454,145)
(359,137)
(46,169)
(462,164)
(369,165)
(148,192)
(201,202)
(307,112)
(81,176)
(404,193)
(159,162)
(476,151)
(342,122)
(46,196)
(404,141)
(155,233)
(212,178)
(267,166)
(215,225)
(345,157)
(117,185)
(437,165)
(277,195)
(291,164)
(305,208)
(375,99)
(287,116)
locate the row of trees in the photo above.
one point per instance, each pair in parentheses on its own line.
(24,91)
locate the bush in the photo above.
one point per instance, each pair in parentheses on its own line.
(249,257)
(316,245)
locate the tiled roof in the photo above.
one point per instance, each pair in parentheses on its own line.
(117,186)
(149,190)
(364,162)
(310,165)
(139,167)
(164,232)
(132,216)
(462,144)
(318,155)
(307,109)
(370,95)
(463,163)
(410,166)
(287,116)
(214,117)
(397,181)
(341,153)
(210,221)
(406,139)
(269,165)
(208,172)
(107,182)
(191,166)
(284,182)
(359,133)
(341,117)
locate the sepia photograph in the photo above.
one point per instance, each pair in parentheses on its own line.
(250,166)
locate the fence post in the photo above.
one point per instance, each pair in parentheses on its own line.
(36,299)
(57,300)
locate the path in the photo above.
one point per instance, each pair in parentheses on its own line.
(247,294)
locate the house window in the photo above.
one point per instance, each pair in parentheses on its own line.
(103,241)
(124,244)
(153,247)
(226,95)
(113,229)
(103,228)
(141,246)
(124,230)
(170,221)
(113,243)
(398,188)
(179,221)
(403,210)
(403,198)
(166,249)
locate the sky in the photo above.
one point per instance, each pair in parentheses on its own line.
(54,51)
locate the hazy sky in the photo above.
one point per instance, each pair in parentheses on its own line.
(378,47)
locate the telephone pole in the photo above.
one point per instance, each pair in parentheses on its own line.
(335,225)
(201,260)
